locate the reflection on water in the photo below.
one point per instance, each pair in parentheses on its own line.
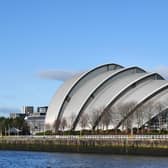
(16,159)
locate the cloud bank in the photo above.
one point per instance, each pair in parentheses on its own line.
(62,75)
(56,75)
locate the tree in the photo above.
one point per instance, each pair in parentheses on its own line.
(47,127)
(139,117)
(56,125)
(71,120)
(84,119)
(149,110)
(93,117)
(106,118)
(19,123)
(124,110)
(2,125)
(159,107)
(63,124)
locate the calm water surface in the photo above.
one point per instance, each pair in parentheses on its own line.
(15,159)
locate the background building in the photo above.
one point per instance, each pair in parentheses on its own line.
(35,120)
(28,110)
(15,115)
(35,123)
(42,109)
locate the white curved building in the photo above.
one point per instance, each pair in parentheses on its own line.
(107,86)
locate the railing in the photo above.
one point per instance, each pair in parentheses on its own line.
(88,137)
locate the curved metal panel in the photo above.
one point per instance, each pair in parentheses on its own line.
(126,89)
(158,104)
(57,99)
(163,111)
(98,88)
(62,95)
(151,95)
(79,97)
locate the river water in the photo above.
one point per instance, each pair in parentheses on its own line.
(17,159)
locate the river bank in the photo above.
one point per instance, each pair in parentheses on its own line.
(125,145)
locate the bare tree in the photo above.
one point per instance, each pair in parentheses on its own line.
(84,121)
(149,107)
(149,110)
(71,120)
(139,117)
(56,125)
(144,113)
(124,111)
(106,118)
(63,124)
(93,117)
(47,127)
(159,107)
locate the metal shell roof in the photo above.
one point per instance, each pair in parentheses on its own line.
(104,86)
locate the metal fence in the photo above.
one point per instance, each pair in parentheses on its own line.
(88,137)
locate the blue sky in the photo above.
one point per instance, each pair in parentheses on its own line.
(38,36)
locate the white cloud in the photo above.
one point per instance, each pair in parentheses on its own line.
(56,74)
(162,70)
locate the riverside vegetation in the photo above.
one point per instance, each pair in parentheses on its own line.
(98,141)
(19,123)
